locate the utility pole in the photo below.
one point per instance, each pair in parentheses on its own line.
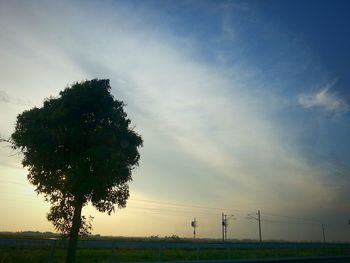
(259,226)
(224,223)
(258,218)
(324,236)
(194,225)
(223,227)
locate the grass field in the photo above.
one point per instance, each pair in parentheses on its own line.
(94,255)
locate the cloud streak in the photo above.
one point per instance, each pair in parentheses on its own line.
(4,97)
(324,100)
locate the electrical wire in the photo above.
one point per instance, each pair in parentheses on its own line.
(180,209)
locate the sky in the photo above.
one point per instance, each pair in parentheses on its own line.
(242,106)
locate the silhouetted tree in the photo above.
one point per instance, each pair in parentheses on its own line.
(78,148)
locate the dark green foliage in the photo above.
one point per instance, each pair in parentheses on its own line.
(79,148)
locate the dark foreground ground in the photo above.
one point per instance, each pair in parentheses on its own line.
(339,259)
(13,250)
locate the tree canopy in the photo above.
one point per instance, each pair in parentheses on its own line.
(79,147)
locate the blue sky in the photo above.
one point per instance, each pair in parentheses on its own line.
(242,105)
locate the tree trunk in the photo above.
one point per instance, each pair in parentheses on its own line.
(74,232)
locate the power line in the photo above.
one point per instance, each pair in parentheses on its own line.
(291,217)
(12,182)
(287,222)
(170,210)
(191,206)
(14,200)
(199,207)
(11,193)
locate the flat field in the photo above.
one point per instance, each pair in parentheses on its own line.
(89,251)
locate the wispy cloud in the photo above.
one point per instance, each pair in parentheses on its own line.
(5,97)
(323,99)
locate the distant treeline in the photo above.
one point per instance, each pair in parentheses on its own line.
(152,238)
(49,235)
